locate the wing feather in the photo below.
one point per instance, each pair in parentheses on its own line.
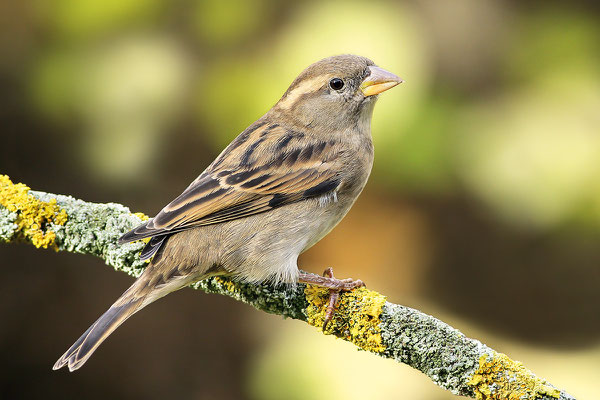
(266,167)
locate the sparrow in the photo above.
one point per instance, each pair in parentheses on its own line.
(276,190)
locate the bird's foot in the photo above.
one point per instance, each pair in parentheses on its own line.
(335,286)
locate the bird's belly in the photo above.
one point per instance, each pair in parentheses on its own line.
(265,247)
(334,211)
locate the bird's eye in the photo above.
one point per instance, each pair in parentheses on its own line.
(336,84)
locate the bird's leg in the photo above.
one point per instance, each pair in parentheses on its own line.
(334,285)
(334,296)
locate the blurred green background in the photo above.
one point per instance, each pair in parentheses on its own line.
(483,208)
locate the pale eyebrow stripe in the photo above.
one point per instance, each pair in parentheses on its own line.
(305,87)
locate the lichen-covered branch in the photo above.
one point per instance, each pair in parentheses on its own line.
(462,365)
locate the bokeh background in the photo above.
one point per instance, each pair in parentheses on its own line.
(483,208)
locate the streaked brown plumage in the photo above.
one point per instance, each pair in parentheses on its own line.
(275,191)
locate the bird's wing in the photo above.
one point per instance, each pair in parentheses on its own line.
(265,167)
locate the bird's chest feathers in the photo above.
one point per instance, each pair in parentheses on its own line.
(359,162)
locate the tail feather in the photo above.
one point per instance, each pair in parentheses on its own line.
(83,348)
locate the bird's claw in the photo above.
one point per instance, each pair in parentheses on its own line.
(335,286)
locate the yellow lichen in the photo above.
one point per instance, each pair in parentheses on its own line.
(356,317)
(33,215)
(141,216)
(227,284)
(499,377)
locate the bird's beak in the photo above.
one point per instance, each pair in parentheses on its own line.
(378,81)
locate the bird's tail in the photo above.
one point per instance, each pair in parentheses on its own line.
(83,348)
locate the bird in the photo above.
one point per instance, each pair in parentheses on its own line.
(278,188)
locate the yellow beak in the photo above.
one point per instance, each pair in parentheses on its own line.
(378,81)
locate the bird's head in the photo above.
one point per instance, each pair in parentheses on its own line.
(336,92)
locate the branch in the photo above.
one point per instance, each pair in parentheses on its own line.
(459,364)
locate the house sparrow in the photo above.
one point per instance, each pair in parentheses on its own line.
(275,191)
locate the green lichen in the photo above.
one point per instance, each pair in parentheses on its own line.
(356,318)
(500,378)
(285,300)
(431,346)
(8,227)
(94,228)
(35,219)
